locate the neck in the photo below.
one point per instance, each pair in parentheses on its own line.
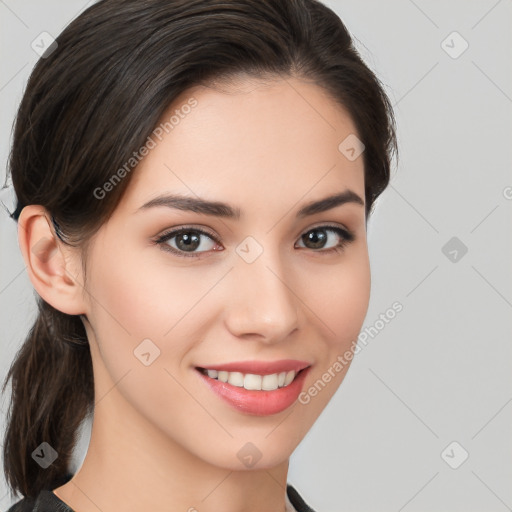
(131,465)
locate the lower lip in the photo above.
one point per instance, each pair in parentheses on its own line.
(259,403)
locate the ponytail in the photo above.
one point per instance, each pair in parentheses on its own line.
(52,391)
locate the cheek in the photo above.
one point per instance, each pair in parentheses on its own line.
(339,295)
(139,325)
(142,299)
(155,302)
(340,299)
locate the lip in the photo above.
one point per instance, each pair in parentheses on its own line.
(258,402)
(260,367)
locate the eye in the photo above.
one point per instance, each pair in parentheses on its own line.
(318,238)
(192,242)
(187,240)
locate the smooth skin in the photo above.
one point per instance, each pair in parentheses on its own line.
(161,439)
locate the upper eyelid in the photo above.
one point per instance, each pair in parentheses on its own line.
(171,232)
(210,232)
(179,229)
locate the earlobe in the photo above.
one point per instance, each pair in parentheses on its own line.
(53,267)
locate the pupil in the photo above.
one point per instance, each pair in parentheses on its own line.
(188,241)
(318,240)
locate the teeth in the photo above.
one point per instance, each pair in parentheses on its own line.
(236,379)
(289,377)
(269,382)
(251,381)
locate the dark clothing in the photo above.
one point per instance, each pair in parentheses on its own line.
(47,501)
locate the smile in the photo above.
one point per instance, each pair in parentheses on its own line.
(252,381)
(258,388)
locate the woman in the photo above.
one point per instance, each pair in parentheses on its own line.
(194,180)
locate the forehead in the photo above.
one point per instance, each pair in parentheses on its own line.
(276,140)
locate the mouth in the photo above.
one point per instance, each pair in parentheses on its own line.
(256,388)
(252,381)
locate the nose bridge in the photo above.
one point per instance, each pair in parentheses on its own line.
(263,301)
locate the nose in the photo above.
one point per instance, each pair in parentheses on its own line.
(263,306)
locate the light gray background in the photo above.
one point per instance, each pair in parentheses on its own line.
(440,371)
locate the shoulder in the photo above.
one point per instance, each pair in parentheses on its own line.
(296,500)
(24,505)
(45,501)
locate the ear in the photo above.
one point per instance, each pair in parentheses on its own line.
(53,267)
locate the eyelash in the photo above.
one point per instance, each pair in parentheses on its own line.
(161,240)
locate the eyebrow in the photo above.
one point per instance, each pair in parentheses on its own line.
(220,209)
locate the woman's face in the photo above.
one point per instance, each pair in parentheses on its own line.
(263,293)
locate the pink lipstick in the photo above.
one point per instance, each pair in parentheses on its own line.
(256,387)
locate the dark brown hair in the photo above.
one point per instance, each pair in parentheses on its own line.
(92,102)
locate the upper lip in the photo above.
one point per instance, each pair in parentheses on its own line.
(260,367)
